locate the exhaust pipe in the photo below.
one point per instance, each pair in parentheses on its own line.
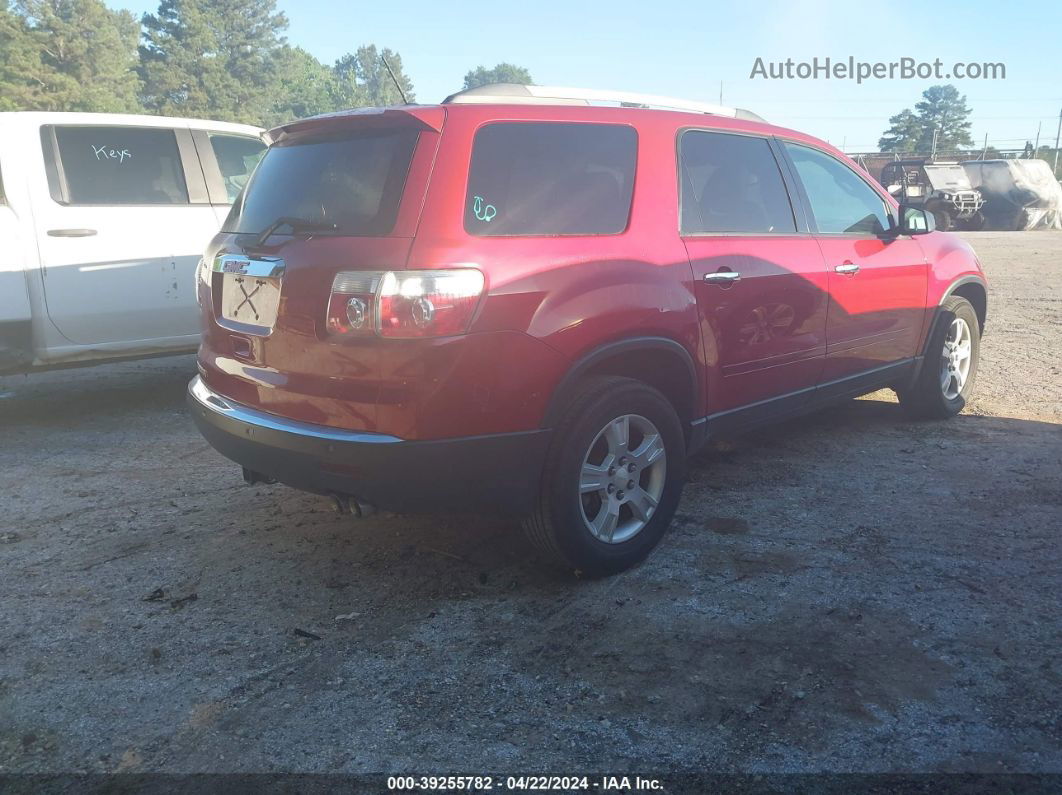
(346,504)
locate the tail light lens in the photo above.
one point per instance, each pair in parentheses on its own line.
(404,303)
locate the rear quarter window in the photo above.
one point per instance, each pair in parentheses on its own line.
(121,165)
(550,178)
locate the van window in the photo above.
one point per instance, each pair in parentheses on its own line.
(121,165)
(841,201)
(731,183)
(551,178)
(237,155)
(351,184)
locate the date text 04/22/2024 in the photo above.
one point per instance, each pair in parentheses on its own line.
(524,783)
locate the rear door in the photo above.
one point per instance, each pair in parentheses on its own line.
(121,225)
(760,277)
(877,280)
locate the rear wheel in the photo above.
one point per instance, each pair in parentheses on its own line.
(947,376)
(613,477)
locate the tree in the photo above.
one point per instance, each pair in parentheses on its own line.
(212,58)
(502,73)
(363,80)
(942,111)
(68,55)
(904,133)
(304,87)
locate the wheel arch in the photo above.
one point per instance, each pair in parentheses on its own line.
(973,289)
(660,362)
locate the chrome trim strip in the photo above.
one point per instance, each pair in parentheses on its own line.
(209,399)
(263,268)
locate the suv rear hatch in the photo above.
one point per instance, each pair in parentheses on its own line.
(334,194)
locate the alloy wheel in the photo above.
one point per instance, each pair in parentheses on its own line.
(622,478)
(955,360)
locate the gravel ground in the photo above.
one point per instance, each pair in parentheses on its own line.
(848,592)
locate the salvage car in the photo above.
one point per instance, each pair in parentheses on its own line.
(531,301)
(104,218)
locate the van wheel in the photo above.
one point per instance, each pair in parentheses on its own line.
(612,479)
(950,366)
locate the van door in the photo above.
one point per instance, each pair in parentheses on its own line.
(120,231)
(760,278)
(877,280)
(16,347)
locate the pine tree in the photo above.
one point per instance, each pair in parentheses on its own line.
(212,58)
(74,55)
(363,80)
(502,73)
(944,111)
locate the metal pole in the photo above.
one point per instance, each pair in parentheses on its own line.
(985,150)
(1036,146)
(1057,134)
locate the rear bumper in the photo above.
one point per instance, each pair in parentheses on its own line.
(497,473)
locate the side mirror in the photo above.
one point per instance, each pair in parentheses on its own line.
(915,221)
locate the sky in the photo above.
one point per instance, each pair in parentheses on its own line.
(688,48)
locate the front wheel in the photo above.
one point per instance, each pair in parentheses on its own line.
(942,218)
(946,379)
(613,477)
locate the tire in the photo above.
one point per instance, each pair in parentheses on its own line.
(582,443)
(942,218)
(930,397)
(975,223)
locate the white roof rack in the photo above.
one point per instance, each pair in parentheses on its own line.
(516,93)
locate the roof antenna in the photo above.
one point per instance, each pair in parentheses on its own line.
(401,93)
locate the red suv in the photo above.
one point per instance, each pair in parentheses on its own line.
(523,302)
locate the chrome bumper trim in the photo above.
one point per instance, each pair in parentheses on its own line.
(214,402)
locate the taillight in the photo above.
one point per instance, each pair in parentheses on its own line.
(352,306)
(404,303)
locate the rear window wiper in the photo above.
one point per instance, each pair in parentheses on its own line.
(297,225)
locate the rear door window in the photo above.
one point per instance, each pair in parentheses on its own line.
(842,203)
(551,178)
(349,185)
(732,184)
(237,155)
(121,165)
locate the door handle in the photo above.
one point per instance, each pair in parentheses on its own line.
(723,278)
(848,269)
(71,232)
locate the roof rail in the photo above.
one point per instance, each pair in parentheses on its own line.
(517,93)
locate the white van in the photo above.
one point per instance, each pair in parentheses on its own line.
(103,218)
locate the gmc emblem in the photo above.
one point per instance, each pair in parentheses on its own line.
(235,266)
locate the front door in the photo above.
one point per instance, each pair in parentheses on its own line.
(761,285)
(119,236)
(877,280)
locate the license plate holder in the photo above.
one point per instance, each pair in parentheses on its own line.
(250,300)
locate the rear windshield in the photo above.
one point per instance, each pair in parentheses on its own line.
(550,178)
(353,183)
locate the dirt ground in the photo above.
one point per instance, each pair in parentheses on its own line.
(849,592)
